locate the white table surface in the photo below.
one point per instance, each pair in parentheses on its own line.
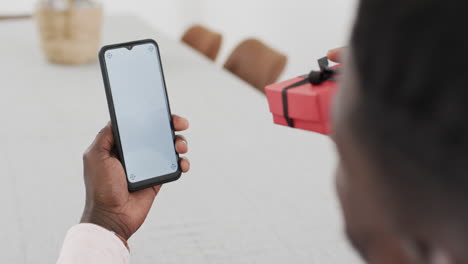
(257,192)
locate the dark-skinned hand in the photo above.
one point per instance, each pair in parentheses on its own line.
(109,204)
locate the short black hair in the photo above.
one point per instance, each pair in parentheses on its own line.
(411,58)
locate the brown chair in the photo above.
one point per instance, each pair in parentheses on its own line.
(203,40)
(256,63)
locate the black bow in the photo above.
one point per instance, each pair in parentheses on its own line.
(314,77)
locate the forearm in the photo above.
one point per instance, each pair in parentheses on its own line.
(92,244)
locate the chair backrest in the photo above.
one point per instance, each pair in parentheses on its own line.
(203,40)
(256,63)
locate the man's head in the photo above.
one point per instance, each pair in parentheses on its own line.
(401,128)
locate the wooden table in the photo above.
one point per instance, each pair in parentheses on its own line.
(257,192)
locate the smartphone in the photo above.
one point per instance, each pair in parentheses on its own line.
(140,113)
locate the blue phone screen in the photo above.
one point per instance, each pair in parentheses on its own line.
(141,111)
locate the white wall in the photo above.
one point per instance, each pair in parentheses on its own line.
(302,29)
(170,16)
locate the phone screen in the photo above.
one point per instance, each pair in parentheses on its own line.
(141,111)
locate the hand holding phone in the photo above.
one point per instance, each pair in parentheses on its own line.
(108,202)
(142,132)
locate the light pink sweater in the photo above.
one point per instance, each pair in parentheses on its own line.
(92,244)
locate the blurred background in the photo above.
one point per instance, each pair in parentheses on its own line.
(256,193)
(301,29)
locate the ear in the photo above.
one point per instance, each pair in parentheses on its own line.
(440,256)
(419,252)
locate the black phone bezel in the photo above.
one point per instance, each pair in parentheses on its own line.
(158,180)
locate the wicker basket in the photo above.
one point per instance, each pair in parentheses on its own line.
(70,36)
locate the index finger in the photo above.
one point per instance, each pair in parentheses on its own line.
(180,123)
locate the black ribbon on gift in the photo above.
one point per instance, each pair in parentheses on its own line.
(314,77)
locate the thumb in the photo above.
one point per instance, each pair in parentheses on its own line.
(104,140)
(336,55)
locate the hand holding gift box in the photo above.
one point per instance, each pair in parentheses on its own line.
(304,102)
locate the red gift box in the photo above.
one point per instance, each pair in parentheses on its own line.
(304,102)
